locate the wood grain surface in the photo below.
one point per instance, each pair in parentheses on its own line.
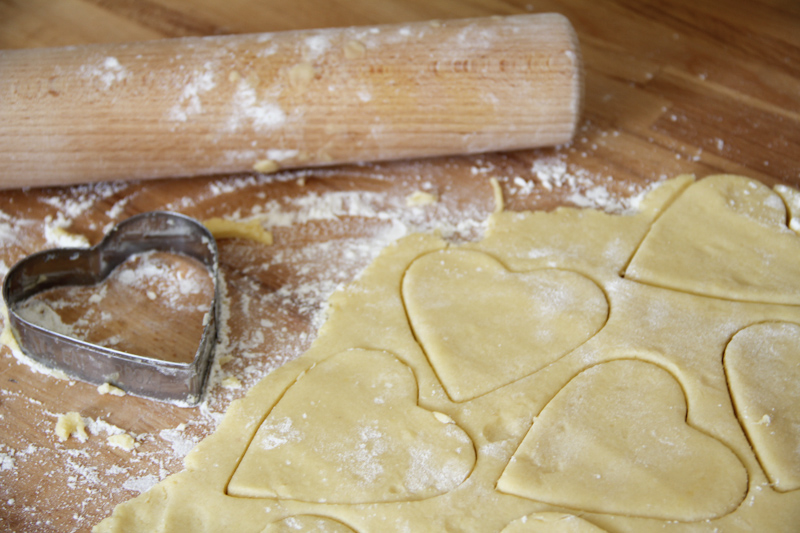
(672,87)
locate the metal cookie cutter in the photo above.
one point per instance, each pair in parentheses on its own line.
(142,376)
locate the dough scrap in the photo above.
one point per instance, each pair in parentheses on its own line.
(675,336)
(483,326)
(614,440)
(108,388)
(763,367)
(122,440)
(251,230)
(301,75)
(421,198)
(348,431)
(354,50)
(266,166)
(69,425)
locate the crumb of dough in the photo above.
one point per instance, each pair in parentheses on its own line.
(71,424)
(8,340)
(443,418)
(62,237)
(232,229)
(7,337)
(266,166)
(301,74)
(765,420)
(225,359)
(354,50)
(122,440)
(231,382)
(234,76)
(499,204)
(420,198)
(108,388)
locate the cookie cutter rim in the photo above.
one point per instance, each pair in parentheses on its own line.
(175,382)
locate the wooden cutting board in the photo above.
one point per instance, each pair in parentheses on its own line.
(672,87)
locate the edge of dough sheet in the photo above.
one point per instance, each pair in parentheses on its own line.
(682,333)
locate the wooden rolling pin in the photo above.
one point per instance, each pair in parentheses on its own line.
(209,105)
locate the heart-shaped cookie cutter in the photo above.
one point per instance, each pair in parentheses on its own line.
(139,375)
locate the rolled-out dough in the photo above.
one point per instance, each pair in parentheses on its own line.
(763,367)
(573,371)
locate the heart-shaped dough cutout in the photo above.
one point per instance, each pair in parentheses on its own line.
(726,237)
(551,522)
(762,363)
(615,440)
(350,431)
(307,524)
(483,327)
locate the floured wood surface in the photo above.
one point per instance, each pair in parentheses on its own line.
(671,88)
(327,225)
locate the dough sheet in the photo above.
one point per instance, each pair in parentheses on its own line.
(573,371)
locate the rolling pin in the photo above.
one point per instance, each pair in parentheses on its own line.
(265,102)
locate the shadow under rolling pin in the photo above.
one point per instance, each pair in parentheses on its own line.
(209,105)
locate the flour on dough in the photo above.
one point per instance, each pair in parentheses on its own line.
(473,317)
(349,431)
(615,440)
(763,366)
(718,239)
(573,371)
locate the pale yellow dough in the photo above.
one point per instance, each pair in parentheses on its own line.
(615,439)
(392,451)
(251,230)
(525,320)
(573,371)
(71,425)
(763,367)
(739,228)
(307,524)
(551,522)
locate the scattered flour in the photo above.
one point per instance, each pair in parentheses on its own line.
(582,188)
(6,461)
(190,103)
(263,115)
(140,484)
(179,441)
(249,354)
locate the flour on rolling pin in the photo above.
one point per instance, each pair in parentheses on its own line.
(201,106)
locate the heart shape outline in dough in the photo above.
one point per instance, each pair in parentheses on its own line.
(762,365)
(725,237)
(309,524)
(615,440)
(483,326)
(350,430)
(551,522)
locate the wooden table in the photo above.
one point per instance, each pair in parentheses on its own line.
(672,87)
